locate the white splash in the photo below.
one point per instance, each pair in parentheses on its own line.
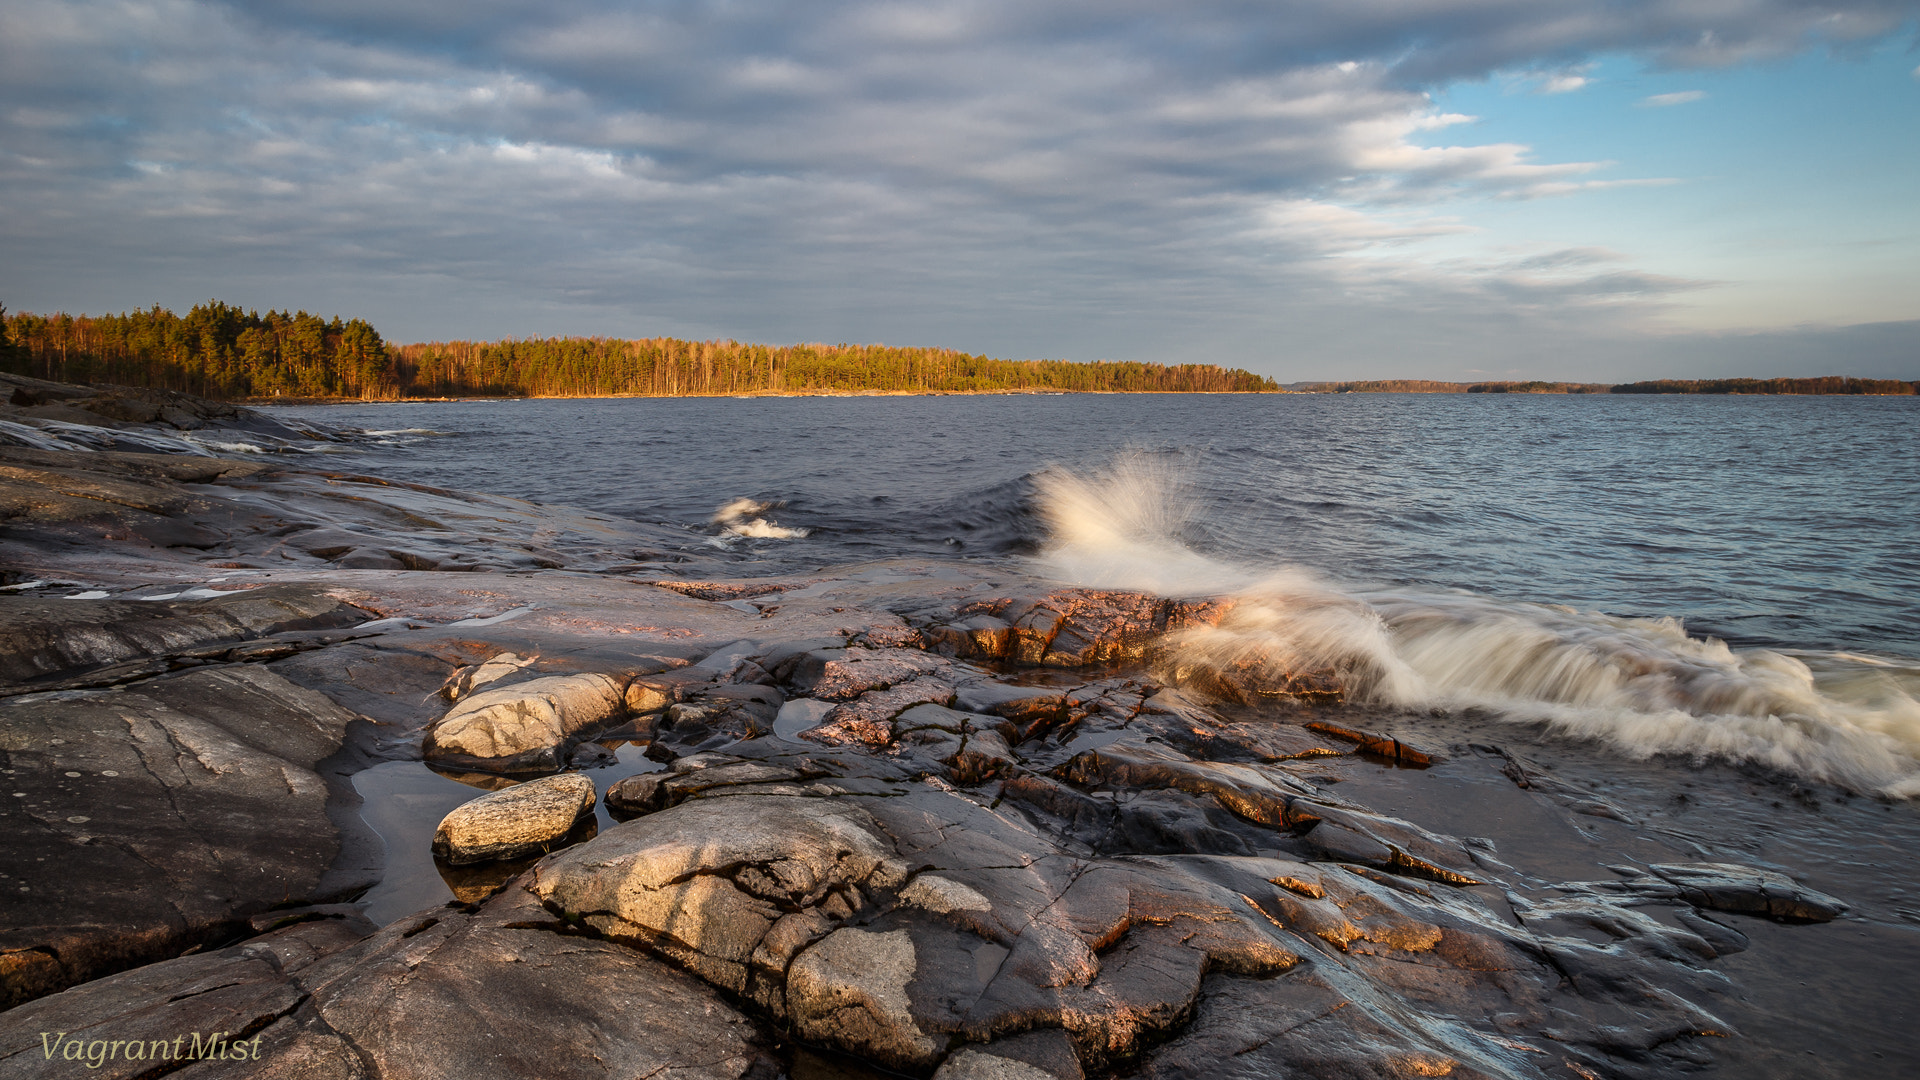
(1643,685)
(741,518)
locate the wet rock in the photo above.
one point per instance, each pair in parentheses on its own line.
(1257,797)
(868,719)
(329,543)
(709,722)
(638,794)
(1255,681)
(846,674)
(1031,710)
(591,755)
(1384,746)
(704,774)
(654,693)
(526,726)
(1047,1052)
(780,659)
(173,812)
(368,559)
(43,637)
(1067,627)
(1746,890)
(516,821)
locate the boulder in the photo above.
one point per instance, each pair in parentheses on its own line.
(706,882)
(516,821)
(527,726)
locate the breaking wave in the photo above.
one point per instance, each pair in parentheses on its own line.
(742,518)
(1643,685)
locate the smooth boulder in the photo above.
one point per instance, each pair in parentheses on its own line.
(516,821)
(525,726)
(730,887)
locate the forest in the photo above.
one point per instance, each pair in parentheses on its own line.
(220,351)
(215,351)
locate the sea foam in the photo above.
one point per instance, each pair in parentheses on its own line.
(742,518)
(1643,685)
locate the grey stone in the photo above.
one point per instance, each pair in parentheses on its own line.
(705,881)
(527,725)
(515,821)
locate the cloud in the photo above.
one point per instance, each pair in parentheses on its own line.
(1030,179)
(1678,97)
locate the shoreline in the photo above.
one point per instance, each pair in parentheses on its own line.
(258,402)
(271,402)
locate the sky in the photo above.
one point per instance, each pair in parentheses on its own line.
(1598,190)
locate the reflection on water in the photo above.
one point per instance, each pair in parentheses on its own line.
(404,802)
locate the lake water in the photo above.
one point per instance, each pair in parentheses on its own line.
(1736,576)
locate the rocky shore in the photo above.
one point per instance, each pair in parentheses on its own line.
(919,817)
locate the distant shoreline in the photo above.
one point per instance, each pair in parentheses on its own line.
(1897,388)
(258,402)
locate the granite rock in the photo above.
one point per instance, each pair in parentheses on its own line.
(526,726)
(515,821)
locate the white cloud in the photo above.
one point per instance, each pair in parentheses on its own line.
(1678,97)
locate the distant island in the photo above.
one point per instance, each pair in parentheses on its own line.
(220,351)
(1825,384)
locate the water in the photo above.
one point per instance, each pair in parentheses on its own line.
(1723,576)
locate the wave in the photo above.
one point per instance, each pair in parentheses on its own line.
(1643,685)
(998,519)
(741,518)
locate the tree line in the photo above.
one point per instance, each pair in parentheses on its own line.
(219,351)
(215,351)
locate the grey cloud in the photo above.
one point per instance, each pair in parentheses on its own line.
(1070,179)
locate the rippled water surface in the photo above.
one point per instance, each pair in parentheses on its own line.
(1779,522)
